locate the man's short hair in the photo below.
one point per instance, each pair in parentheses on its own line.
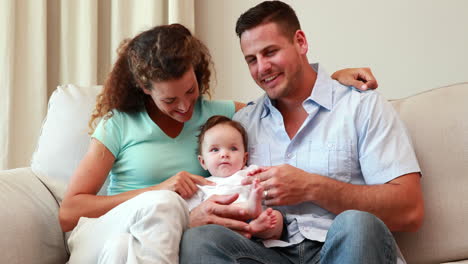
(269,11)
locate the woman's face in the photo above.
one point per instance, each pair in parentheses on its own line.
(176,98)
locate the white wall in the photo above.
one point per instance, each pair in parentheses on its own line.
(411,45)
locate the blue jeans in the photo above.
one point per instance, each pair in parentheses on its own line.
(354,237)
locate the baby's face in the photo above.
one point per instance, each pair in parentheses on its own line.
(223,152)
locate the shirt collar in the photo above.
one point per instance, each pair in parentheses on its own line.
(322,93)
(268,105)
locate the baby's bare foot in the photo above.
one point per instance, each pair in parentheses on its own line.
(266,220)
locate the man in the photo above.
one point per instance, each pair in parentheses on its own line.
(341,167)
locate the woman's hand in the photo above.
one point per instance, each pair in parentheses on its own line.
(184,183)
(360,78)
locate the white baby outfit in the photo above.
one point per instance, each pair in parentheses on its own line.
(224,185)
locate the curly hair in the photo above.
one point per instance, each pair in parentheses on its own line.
(160,54)
(219,120)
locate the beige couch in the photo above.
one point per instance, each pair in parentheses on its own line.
(437,121)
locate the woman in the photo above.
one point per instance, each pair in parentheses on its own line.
(151,107)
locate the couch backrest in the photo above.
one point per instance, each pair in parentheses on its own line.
(437,121)
(64,138)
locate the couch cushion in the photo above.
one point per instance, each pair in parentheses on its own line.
(438,124)
(64,136)
(30,230)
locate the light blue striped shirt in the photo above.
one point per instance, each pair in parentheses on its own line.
(351,136)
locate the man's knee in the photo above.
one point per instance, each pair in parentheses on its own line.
(206,239)
(360,236)
(206,235)
(360,224)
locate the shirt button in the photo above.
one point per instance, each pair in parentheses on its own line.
(330,145)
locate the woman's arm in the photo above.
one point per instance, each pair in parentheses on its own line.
(239,105)
(81,199)
(361,78)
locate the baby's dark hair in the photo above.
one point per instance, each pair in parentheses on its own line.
(217,120)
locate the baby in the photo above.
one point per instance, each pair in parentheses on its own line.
(222,146)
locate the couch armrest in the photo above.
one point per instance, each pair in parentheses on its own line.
(29,224)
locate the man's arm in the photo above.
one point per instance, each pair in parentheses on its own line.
(398,203)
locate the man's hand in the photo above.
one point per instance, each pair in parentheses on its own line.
(361,78)
(283,184)
(218,210)
(183,183)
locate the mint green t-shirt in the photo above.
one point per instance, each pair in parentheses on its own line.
(145,155)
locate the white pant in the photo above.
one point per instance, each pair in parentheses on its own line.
(145,229)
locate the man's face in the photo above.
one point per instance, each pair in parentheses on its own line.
(222,151)
(274,60)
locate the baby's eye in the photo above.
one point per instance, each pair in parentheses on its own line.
(214,150)
(234,148)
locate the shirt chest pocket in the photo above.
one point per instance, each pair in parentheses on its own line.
(327,159)
(259,155)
